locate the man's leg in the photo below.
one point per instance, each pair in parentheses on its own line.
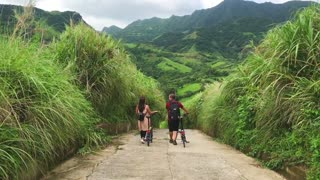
(170,131)
(174,135)
(175,132)
(170,136)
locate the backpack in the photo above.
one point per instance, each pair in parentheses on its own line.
(174,111)
(141,115)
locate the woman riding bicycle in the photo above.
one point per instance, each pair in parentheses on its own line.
(143,111)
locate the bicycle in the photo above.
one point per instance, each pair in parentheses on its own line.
(182,132)
(149,133)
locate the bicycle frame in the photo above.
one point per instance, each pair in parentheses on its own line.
(149,133)
(182,133)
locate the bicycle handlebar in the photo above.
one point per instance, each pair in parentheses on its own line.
(184,115)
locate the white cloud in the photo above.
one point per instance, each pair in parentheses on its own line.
(210,3)
(15,2)
(118,12)
(130,10)
(100,23)
(101,13)
(50,5)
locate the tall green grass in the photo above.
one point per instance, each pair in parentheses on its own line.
(43,116)
(271,108)
(105,72)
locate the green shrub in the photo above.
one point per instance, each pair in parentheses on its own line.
(164,124)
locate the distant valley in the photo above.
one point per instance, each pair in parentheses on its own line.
(192,50)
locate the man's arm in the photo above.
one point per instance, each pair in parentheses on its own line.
(185,110)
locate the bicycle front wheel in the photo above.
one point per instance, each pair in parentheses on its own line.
(148,138)
(183,138)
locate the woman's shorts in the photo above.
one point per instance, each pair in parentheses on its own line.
(173,125)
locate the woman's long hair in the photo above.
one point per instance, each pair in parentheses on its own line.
(142,103)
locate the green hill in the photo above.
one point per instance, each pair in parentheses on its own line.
(206,37)
(169,65)
(55,19)
(112,30)
(176,69)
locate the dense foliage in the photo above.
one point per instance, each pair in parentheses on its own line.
(270,108)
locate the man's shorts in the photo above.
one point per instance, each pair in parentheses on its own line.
(173,125)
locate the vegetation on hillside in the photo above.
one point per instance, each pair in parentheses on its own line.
(270,108)
(175,70)
(45,25)
(193,43)
(142,31)
(105,72)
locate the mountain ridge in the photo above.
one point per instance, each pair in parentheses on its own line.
(147,29)
(56,19)
(112,29)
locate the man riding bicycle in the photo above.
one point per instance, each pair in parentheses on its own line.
(173,108)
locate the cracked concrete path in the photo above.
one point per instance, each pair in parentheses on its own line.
(202,158)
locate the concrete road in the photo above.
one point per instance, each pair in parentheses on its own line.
(202,158)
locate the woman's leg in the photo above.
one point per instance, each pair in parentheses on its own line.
(144,133)
(139,125)
(144,127)
(140,130)
(144,124)
(141,135)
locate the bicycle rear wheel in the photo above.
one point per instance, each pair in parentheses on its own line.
(183,138)
(184,142)
(148,138)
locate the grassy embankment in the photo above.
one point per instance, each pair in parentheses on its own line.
(270,108)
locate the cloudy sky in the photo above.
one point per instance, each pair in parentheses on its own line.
(101,13)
